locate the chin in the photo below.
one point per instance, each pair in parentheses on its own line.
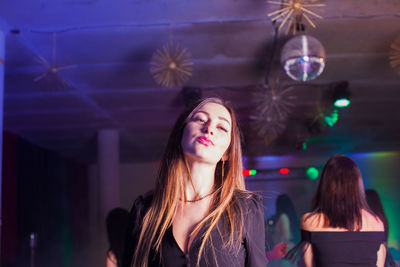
(202,157)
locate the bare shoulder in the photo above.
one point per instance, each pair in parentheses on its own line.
(371,222)
(311,222)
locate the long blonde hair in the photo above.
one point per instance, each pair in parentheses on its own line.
(171,184)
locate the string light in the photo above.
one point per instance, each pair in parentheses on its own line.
(249,172)
(284,170)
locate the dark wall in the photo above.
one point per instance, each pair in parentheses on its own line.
(51,200)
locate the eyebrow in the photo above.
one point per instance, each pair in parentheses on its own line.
(219,117)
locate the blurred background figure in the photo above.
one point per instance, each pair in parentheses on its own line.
(283,230)
(375,204)
(116,223)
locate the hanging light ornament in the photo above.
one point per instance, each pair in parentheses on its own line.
(50,79)
(303,58)
(271,113)
(292,12)
(394,55)
(171,66)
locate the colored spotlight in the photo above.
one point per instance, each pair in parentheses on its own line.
(342,103)
(341,95)
(312,173)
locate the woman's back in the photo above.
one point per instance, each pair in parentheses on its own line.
(341,231)
(328,246)
(316,222)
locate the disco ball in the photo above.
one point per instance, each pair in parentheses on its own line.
(303,58)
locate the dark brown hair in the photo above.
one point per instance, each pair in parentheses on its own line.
(375,204)
(284,205)
(340,196)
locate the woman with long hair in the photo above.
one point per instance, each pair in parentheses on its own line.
(286,227)
(287,222)
(341,230)
(199,213)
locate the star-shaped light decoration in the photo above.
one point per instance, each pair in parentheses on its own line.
(293,11)
(50,78)
(171,66)
(394,55)
(271,113)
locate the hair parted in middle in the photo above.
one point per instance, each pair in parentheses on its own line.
(340,196)
(171,183)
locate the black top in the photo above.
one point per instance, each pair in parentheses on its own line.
(250,253)
(340,249)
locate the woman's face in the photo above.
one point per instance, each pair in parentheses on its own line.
(207,135)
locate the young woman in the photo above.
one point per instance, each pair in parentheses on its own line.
(200,213)
(341,230)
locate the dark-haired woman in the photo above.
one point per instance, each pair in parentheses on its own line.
(341,230)
(116,224)
(200,213)
(286,227)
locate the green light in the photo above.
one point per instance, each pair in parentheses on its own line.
(342,103)
(253,172)
(304,146)
(331,119)
(312,173)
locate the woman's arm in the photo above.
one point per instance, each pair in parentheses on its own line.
(277,252)
(381,256)
(255,233)
(308,253)
(308,257)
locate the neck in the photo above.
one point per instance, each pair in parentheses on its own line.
(203,180)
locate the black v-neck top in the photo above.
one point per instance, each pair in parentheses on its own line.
(341,249)
(250,253)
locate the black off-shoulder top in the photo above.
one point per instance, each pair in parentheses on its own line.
(340,249)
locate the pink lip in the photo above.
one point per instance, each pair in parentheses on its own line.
(205,141)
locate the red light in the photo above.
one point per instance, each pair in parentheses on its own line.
(284,170)
(246,172)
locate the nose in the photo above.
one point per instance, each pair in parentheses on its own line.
(208,129)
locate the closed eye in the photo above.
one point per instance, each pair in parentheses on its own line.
(199,119)
(223,129)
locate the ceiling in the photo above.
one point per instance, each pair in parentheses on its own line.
(102,50)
